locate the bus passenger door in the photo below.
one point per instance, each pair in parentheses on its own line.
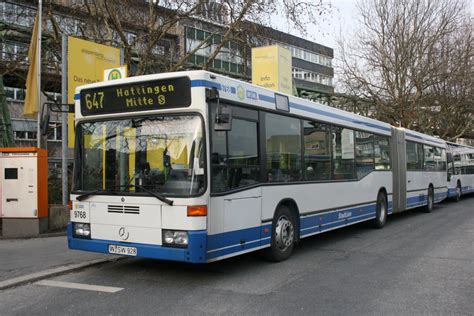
(242,211)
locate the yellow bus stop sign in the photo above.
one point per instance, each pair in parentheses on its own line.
(115,73)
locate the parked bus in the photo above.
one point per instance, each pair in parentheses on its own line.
(197,167)
(460,170)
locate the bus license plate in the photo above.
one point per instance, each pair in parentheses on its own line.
(122,250)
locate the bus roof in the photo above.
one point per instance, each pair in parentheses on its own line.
(253,95)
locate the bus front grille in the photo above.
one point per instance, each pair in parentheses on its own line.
(124,209)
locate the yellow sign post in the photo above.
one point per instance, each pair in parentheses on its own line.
(86,64)
(271,68)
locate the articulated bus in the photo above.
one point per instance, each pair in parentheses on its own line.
(460,170)
(197,167)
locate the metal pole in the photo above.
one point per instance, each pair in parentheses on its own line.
(38,50)
(64,119)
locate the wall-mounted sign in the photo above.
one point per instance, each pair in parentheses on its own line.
(272,67)
(86,63)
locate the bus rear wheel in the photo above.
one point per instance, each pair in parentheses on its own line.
(429,207)
(283,235)
(381,211)
(458,192)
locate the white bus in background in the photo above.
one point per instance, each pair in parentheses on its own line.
(197,167)
(460,170)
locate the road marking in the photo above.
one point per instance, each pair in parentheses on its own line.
(53,272)
(80,286)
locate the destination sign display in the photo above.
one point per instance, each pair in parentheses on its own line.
(137,96)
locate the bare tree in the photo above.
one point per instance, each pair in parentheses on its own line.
(399,60)
(149,32)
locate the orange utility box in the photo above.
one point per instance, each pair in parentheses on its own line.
(23,190)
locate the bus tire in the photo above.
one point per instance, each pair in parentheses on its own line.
(283,235)
(458,192)
(381,211)
(430,205)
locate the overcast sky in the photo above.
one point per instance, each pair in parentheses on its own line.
(343,19)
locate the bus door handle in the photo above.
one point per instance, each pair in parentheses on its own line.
(12,200)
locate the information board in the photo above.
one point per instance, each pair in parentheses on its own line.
(137,96)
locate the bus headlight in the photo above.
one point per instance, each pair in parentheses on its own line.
(82,230)
(175,238)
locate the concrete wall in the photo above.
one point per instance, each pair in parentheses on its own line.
(58,217)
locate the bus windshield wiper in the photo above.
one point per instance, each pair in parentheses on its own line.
(159,196)
(90,193)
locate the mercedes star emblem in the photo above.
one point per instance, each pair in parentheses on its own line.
(123,233)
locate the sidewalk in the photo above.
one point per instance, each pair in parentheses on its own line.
(24,259)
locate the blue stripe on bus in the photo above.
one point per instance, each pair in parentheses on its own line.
(423,138)
(337,116)
(322,222)
(271,99)
(212,84)
(195,253)
(464,190)
(422,200)
(238,240)
(230,242)
(266,98)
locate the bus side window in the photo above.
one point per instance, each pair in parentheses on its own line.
(283,148)
(343,156)
(430,163)
(414,156)
(364,153)
(234,155)
(382,153)
(317,151)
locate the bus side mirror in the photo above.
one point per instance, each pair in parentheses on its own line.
(223,121)
(449,176)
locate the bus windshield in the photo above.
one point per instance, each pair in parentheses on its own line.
(163,154)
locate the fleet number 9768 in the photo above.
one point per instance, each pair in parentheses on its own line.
(80,214)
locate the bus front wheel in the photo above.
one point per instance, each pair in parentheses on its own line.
(429,206)
(283,235)
(381,211)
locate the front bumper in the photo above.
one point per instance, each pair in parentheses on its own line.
(194,253)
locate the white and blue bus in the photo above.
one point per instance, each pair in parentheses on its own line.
(197,167)
(460,170)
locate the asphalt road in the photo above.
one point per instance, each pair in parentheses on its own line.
(418,264)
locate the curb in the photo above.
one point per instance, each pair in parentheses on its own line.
(29,278)
(45,235)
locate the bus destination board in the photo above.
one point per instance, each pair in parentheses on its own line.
(137,96)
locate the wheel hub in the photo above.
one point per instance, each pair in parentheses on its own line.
(383,211)
(284,233)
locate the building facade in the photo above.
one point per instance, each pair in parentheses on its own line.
(312,62)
